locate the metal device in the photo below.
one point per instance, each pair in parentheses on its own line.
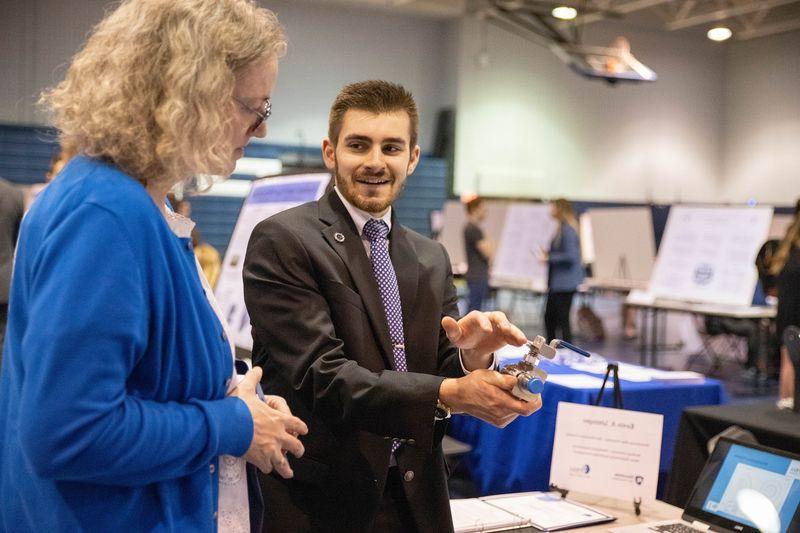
(531,378)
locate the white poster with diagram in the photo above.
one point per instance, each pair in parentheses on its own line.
(602,451)
(707,254)
(267,197)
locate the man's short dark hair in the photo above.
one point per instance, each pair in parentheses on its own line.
(375,96)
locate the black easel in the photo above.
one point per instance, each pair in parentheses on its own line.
(622,271)
(613,368)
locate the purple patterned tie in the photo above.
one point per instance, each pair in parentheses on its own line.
(377,233)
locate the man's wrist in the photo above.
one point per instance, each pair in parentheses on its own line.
(447,395)
(473,361)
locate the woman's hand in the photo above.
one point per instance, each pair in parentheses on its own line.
(275,430)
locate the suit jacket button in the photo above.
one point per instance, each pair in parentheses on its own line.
(411,442)
(409,475)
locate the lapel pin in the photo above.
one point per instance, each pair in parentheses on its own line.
(338,236)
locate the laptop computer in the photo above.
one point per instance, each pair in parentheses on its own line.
(743,488)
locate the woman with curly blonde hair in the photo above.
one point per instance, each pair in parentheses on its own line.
(117,402)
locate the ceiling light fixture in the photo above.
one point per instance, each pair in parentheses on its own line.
(720,33)
(565,12)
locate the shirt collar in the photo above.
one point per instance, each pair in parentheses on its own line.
(180,225)
(360,217)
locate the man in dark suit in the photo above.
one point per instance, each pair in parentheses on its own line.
(354,323)
(12,207)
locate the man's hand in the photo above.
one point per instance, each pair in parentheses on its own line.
(480,334)
(275,430)
(486,394)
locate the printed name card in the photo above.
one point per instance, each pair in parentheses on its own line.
(608,452)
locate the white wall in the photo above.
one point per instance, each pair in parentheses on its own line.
(722,123)
(761,141)
(332,46)
(329,46)
(529,126)
(37,40)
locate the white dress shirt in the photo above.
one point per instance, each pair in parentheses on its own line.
(360,219)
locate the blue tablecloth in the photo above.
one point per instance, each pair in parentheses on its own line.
(517,458)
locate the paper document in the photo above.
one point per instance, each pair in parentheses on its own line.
(473,515)
(678,375)
(547,511)
(627,372)
(576,381)
(543,510)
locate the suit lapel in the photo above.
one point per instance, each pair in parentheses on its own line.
(406,267)
(342,236)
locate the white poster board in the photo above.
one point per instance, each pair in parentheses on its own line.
(528,230)
(603,451)
(267,197)
(707,254)
(586,238)
(623,243)
(454,216)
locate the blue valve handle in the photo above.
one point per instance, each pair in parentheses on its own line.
(572,347)
(535,386)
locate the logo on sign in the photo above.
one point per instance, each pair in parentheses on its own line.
(581,470)
(703,274)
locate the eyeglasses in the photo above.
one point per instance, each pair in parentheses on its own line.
(262,114)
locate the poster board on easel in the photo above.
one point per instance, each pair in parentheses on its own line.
(528,229)
(267,197)
(707,254)
(624,245)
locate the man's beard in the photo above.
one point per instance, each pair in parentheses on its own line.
(368,204)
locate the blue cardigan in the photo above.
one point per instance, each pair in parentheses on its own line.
(115,368)
(564,261)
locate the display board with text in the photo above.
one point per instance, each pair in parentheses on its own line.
(267,197)
(707,254)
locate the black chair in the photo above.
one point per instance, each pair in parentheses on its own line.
(791,339)
(719,346)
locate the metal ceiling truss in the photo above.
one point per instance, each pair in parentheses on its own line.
(748,18)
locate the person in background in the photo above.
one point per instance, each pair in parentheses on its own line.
(12,207)
(480,251)
(565,271)
(785,264)
(355,322)
(119,405)
(57,163)
(208,258)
